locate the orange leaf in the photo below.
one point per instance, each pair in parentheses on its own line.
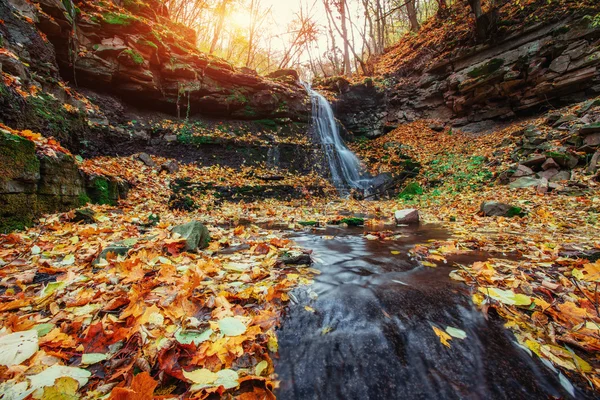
(142,388)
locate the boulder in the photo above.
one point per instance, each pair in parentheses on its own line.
(146,159)
(436,127)
(170,167)
(196,235)
(408,216)
(85,215)
(497,209)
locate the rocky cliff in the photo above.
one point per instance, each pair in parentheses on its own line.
(442,73)
(134,50)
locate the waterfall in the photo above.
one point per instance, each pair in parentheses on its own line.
(346,171)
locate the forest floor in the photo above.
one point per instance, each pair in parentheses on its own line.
(205,322)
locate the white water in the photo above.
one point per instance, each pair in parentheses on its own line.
(346,171)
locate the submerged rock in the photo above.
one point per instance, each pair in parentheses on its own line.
(195,234)
(409,216)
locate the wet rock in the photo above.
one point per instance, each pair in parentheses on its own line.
(497,209)
(170,138)
(550,164)
(146,159)
(408,216)
(535,160)
(295,258)
(170,167)
(524,182)
(85,215)
(195,234)
(523,171)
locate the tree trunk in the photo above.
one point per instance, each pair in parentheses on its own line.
(219,26)
(485,24)
(412,16)
(347,65)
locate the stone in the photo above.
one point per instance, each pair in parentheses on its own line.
(534,160)
(120,248)
(170,138)
(295,258)
(85,215)
(560,64)
(542,187)
(436,127)
(146,159)
(497,209)
(549,164)
(564,158)
(547,174)
(408,216)
(196,235)
(591,169)
(592,140)
(170,167)
(561,176)
(524,182)
(589,129)
(523,171)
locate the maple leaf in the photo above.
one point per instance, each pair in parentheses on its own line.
(142,388)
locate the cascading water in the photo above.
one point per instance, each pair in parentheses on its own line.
(346,171)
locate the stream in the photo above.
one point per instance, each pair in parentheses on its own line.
(370,335)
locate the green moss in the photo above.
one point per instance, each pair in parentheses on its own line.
(410,191)
(486,69)
(17,157)
(148,43)
(99,191)
(83,199)
(133,56)
(112,18)
(308,223)
(515,212)
(353,221)
(268,123)
(11,224)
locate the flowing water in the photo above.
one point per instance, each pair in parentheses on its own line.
(346,171)
(371,337)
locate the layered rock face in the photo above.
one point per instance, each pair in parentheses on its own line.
(32,183)
(361,107)
(135,51)
(551,65)
(528,72)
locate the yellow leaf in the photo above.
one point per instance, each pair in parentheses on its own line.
(444,337)
(63,389)
(201,376)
